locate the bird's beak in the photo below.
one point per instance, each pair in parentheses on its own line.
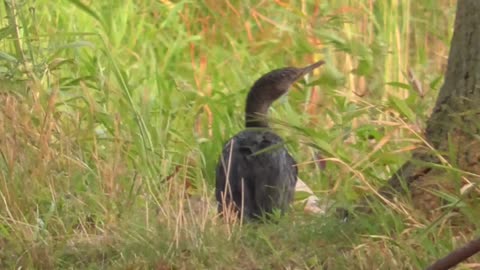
(305,70)
(308,69)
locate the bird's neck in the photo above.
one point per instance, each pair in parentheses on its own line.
(256,110)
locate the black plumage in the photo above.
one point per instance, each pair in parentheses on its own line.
(255,173)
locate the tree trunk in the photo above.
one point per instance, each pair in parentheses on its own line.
(453,130)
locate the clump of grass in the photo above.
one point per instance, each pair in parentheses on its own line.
(112,120)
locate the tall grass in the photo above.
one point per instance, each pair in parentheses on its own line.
(113,115)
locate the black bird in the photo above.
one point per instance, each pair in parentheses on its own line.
(255,173)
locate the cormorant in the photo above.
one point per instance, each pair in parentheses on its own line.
(255,173)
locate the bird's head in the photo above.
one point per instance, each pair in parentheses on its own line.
(276,83)
(270,87)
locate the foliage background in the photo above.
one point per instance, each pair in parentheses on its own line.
(114,114)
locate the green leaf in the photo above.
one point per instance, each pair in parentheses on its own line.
(7,57)
(76,44)
(402,107)
(435,82)
(400,85)
(322,145)
(364,67)
(58,62)
(5,32)
(301,195)
(368,131)
(88,10)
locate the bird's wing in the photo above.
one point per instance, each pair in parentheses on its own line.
(256,164)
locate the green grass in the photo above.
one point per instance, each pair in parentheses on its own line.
(114,114)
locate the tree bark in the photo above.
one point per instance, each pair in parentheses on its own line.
(453,129)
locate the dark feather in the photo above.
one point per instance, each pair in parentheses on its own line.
(259,160)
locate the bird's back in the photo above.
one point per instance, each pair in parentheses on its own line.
(255,173)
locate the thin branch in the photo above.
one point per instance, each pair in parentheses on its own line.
(457,256)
